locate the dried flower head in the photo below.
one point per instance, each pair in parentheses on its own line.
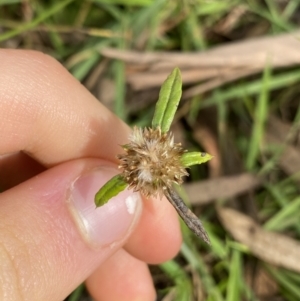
(151,163)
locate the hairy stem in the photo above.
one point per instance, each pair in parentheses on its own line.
(190,219)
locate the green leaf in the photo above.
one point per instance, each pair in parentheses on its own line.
(75,296)
(113,187)
(193,158)
(168,100)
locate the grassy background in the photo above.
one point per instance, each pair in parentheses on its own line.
(232,121)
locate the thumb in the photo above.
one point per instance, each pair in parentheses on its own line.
(51,235)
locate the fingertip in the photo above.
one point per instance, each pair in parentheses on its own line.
(122,277)
(157,237)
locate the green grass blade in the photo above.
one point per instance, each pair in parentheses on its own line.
(197,263)
(120,109)
(169,97)
(184,289)
(82,69)
(218,246)
(234,281)
(42,17)
(113,187)
(255,87)
(259,120)
(290,9)
(193,158)
(9,2)
(126,2)
(284,216)
(120,82)
(285,282)
(143,19)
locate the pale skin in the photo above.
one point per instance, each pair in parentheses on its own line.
(62,131)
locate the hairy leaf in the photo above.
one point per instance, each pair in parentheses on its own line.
(169,97)
(193,158)
(113,187)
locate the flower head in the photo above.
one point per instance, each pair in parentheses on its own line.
(151,163)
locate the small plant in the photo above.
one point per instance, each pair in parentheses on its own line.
(153,162)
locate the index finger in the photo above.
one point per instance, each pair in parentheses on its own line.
(48,114)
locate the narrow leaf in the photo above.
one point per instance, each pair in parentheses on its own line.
(113,187)
(193,158)
(169,97)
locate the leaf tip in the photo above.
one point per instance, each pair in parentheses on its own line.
(177,71)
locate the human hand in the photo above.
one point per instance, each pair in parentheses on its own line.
(52,237)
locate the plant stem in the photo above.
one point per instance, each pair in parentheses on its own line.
(190,219)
